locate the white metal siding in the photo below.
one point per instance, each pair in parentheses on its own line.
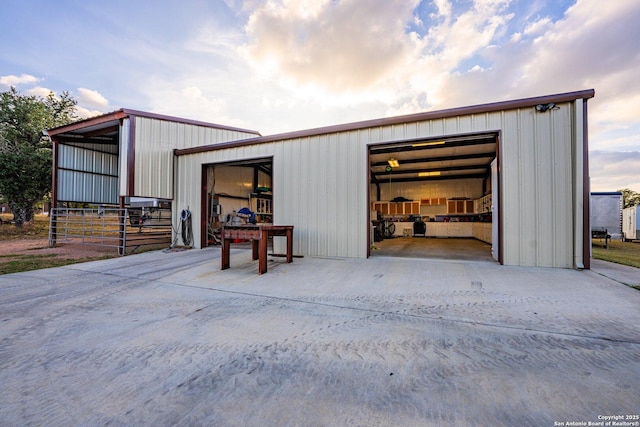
(320,182)
(155,141)
(123,157)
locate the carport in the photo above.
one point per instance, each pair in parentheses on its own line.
(113,178)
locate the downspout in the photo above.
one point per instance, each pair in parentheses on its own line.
(580,202)
(586,194)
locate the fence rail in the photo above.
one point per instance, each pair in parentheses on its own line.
(121,229)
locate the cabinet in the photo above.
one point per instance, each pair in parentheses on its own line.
(483,204)
(433,201)
(482,231)
(262,206)
(460,206)
(449,229)
(399,208)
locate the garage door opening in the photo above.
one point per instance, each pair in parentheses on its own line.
(235,187)
(435,198)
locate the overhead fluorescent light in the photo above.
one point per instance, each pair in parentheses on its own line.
(434,173)
(394,163)
(426,144)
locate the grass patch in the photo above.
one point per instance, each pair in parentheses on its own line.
(626,253)
(38,228)
(20,263)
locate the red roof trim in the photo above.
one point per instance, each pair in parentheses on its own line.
(185,121)
(124,112)
(429,115)
(93,121)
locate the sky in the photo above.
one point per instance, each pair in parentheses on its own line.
(283,65)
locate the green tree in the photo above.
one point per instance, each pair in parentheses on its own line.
(25,151)
(630,198)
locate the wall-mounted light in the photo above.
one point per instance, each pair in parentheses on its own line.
(541,108)
(394,163)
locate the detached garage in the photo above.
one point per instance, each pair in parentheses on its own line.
(522,163)
(511,175)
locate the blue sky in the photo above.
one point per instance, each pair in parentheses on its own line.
(283,65)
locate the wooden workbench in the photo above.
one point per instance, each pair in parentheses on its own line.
(259,236)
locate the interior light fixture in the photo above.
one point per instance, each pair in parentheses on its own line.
(433,173)
(426,144)
(394,163)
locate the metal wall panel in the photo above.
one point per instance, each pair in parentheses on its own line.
(87,175)
(155,141)
(105,148)
(321,182)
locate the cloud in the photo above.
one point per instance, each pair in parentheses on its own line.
(328,49)
(13,80)
(537,27)
(40,92)
(614,170)
(92,98)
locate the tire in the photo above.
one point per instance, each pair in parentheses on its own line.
(389,230)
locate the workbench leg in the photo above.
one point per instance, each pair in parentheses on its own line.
(262,259)
(254,248)
(289,246)
(225,253)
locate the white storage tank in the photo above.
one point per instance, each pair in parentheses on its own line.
(630,225)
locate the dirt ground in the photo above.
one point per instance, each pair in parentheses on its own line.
(41,247)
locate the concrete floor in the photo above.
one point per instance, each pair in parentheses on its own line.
(434,248)
(170,339)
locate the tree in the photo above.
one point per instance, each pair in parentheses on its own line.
(630,198)
(25,152)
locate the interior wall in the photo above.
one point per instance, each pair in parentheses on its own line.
(469,188)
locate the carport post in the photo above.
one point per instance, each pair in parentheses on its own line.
(122,226)
(53,227)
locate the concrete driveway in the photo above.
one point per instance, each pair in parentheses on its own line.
(170,339)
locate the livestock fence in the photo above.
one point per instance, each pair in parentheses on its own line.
(122,229)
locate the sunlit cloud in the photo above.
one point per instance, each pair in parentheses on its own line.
(322,51)
(92,98)
(40,92)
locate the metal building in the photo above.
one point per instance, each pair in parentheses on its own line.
(523,164)
(115,161)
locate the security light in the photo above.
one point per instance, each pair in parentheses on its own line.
(541,108)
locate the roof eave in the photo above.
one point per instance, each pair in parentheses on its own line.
(125,112)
